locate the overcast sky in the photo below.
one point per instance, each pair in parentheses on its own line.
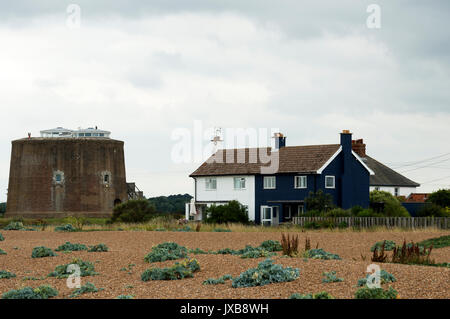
(309,68)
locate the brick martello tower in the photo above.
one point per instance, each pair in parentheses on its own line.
(67,173)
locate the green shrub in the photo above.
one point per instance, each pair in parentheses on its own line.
(166,251)
(232,212)
(125,297)
(319,295)
(376,293)
(133,211)
(87,288)
(197,251)
(432,210)
(265,273)
(385,277)
(319,201)
(2,252)
(6,274)
(392,206)
(98,248)
(65,228)
(320,254)
(1,237)
(86,269)
(440,198)
(256,253)
(221,230)
(271,245)
(71,247)
(220,280)
(355,210)
(438,242)
(368,212)
(41,292)
(14,225)
(40,252)
(338,212)
(331,277)
(389,245)
(184,229)
(178,271)
(311,225)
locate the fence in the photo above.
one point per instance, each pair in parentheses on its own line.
(389,222)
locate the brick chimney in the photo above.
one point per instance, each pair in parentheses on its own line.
(280,140)
(359,147)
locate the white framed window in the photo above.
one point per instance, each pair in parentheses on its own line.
(239,183)
(329,181)
(269,182)
(396,191)
(211,183)
(266,215)
(300,182)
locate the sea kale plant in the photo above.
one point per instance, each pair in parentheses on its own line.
(86,269)
(87,288)
(41,251)
(98,248)
(376,293)
(1,237)
(388,245)
(6,274)
(14,225)
(185,269)
(319,295)
(220,280)
(319,253)
(41,292)
(331,277)
(166,251)
(65,228)
(265,273)
(2,252)
(71,247)
(385,277)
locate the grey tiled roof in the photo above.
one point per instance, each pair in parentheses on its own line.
(385,176)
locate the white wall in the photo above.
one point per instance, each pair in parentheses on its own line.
(225,192)
(403,191)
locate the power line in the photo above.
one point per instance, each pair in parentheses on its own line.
(435,180)
(420,161)
(426,166)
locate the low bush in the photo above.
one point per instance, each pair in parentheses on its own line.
(41,292)
(184,229)
(376,293)
(331,277)
(338,212)
(438,242)
(86,269)
(319,253)
(388,245)
(232,212)
(178,271)
(432,210)
(133,211)
(87,288)
(14,225)
(71,247)
(40,252)
(65,228)
(385,277)
(320,295)
(392,206)
(1,237)
(197,251)
(256,253)
(98,248)
(265,273)
(6,274)
(220,280)
(2,252)
(271,245)
(166,251)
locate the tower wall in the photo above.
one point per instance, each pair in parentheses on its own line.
(58,177)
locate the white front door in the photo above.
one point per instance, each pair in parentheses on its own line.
(266,215)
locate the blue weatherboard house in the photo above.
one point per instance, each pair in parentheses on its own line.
(273,183)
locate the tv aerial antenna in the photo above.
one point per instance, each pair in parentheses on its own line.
(217,136)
